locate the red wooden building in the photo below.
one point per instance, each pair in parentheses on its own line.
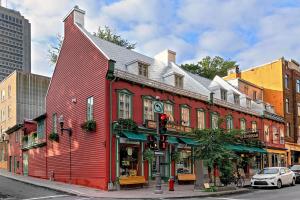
(97,82)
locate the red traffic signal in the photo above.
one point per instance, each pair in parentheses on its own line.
(163,120)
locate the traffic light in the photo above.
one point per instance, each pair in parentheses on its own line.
(152,142)
(163,120)
(163,142)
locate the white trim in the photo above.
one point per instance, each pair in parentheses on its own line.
(74,8)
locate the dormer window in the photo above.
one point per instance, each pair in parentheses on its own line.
(223,94)
(143,70)
(236,99)
(178,81)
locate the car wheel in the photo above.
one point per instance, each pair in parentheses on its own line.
(293,182)
(279,184)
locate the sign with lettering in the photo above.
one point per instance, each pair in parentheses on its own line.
(250,135)
(170,127)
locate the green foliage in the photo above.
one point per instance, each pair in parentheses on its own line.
(25,138)
(175,156)
(127,124)
(148,155)
(226,169)
(54,137)
(89,125)
(34,135)
(210,67)
(105,33)
(211,189)
(109,35)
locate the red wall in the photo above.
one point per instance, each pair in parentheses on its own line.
(37,162)
(80,73)
(14,149)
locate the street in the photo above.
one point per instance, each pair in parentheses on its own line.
(11,189)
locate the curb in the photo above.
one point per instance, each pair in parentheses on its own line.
(208,194)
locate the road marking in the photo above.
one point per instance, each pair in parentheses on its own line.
(227,198)
(48,197)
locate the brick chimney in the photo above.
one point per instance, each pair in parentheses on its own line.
(77,14)
(166,56)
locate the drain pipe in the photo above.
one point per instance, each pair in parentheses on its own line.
(111,78)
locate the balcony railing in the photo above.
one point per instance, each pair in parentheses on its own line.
(33,143)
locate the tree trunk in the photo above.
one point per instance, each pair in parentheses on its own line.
(199,175)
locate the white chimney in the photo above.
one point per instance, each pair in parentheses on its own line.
(78,15)
(166,56)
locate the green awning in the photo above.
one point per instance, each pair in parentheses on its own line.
(244,149)
(172,140)
(135,136)
(189,141)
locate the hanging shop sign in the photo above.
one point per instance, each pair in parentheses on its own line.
(250,135)
(170,127)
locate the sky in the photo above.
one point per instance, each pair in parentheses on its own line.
(251,32)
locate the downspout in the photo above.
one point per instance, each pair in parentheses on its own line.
(111,78)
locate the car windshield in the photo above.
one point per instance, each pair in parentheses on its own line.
(295,167)
(269,171)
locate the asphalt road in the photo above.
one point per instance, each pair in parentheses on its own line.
(286,193)
(13,190)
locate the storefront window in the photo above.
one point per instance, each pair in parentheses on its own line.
(281,136)
(214,121)
(185,116)
(129,160)
(125,104)
(184,165)
(168,109)
(229,123)
(254,127)
(200,119)
(275,135)
(148,109)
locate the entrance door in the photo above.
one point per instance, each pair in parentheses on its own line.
(25,164)
(10,163)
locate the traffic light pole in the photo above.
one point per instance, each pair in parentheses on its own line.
(158,189)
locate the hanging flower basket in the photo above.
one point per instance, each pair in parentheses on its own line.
(148,155)
(54,137)
(127,124)
(25,138)
(89,126)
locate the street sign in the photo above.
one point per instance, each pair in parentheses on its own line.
(158,107)
(158,153)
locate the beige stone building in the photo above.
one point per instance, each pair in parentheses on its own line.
(22,96)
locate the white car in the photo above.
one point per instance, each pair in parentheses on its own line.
(273,177)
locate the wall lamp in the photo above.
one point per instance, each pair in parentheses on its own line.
(62,129)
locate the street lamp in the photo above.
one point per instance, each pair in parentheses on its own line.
(69,130)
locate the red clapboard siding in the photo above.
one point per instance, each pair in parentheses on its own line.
(80,73)
(37,162)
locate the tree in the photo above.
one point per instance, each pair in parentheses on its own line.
(213,151)
(105,33)
(210,67)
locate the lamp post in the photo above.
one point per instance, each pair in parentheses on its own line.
(69,130)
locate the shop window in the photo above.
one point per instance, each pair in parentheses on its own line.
(124,104)
(185,115)
(254,126)
(243,125)
(90,108)
(54,122)
(266,133)
(129,160)
(148,108)
(143,70)
(229,123)
(168,109)
(200,119)
(214,121)
(223,94)
(184,165)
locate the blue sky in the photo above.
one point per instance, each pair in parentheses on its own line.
(251,32)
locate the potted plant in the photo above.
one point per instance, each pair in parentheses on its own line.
(54,137)
(89,126)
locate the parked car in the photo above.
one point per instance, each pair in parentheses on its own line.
(296,170)
(273,177)
(183,171)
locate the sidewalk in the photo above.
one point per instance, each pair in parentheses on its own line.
(181,191)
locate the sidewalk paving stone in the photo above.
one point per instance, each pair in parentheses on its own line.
(181,191)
